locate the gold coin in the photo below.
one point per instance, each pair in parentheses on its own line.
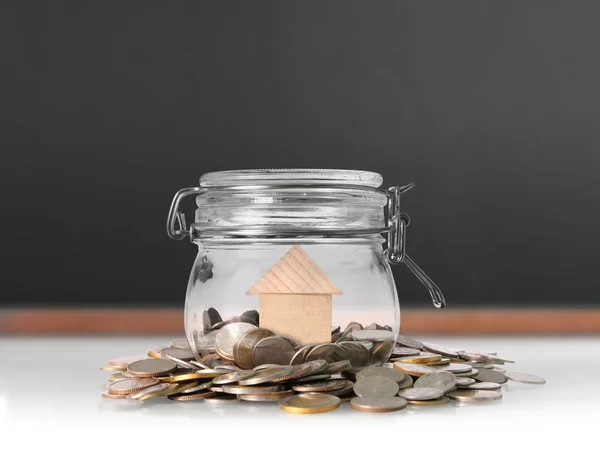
(180,343)
(112,378)
(196,396)
(154,352)
(416,370)
(441,401)
(161,387)
(132,385)
(186,377)
(173,388)
(423,357)
(151,367)
(108,395)
(309,403)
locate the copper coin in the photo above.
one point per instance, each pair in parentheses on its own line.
(242,349)
(441,401)
(132,385)
(273,350)
(151,367)
(309,403)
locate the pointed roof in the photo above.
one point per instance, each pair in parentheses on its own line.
(294,273)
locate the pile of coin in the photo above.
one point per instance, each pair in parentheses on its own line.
(310,379)
(240,340)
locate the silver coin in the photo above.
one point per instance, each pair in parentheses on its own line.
(464,381)
(150,390)
(441,350)
(366,344)
(233,377)
(181,363)
(273,350)
(385,372)
(258,389)
(206,343)
(405,341)
(299,356)
(474,396)
(329,352)
(405,351)
(424,393)
(267,366)
(228,336)
(356,353)
(444,381)
(376,387)
(321,386)
(372,335)
(199,365)
(485,385)
(222,399)
(457,368)
(471,373)
(316,377)
(378,404)
(525,378)
(266,375)
(338,366)
(491,376)
(226,367)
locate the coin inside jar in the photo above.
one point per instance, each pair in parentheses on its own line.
(244,346)
(329,352)
(228,335)
(273,350)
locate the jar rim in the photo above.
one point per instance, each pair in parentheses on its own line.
(291,176)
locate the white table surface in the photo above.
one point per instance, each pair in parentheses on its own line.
(50,395)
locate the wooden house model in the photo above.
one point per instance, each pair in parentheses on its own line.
(295,298)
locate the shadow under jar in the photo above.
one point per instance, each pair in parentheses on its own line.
(291,267)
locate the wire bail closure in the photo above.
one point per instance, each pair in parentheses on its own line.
(396,253)
(397,223)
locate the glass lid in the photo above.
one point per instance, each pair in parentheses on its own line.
(291,176)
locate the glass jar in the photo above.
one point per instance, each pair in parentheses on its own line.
(291,266)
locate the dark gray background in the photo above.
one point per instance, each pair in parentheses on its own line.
(491,108)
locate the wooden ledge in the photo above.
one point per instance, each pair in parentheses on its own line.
(170,321)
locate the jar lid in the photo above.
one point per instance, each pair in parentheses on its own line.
(290,201)
(288,176)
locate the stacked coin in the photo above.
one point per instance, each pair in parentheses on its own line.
(254,364)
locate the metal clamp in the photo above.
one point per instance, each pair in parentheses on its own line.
(177,228)
(396,252)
